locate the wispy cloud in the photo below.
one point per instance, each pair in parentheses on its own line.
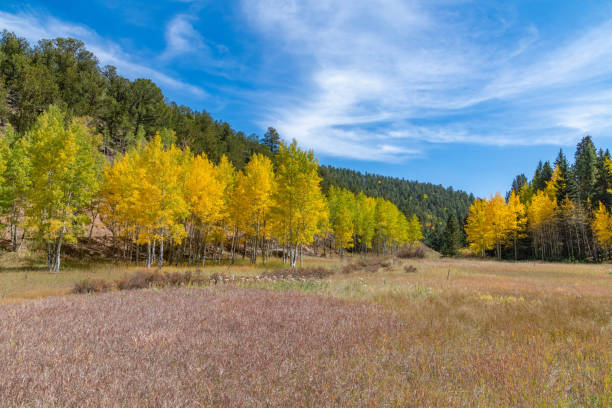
(380,78)
(35,26)
(181,37)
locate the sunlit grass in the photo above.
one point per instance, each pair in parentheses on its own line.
(464,332)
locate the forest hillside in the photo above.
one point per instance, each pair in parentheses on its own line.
(126,113)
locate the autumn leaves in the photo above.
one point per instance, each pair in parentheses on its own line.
(155,195)
(554,227)
(164,202)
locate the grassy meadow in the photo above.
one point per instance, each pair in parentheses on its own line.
(374,332)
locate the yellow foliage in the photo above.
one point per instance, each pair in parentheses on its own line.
(541,210)
(254,192)
(478,229)
(143,194)
(602,226)
(518,217)
(342,215)
(204,190)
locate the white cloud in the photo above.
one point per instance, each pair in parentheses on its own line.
(181,37)
(381,76)
(34,27)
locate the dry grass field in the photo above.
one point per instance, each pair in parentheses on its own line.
(429,332)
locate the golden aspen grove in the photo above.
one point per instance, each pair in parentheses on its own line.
(165,204)
(554,216)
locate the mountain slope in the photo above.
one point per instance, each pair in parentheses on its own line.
(431,203)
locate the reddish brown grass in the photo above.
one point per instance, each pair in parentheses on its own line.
(300,273)
(453,333)
(193,347)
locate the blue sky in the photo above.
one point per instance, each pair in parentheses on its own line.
(461,93)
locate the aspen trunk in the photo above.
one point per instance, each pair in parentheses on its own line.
(160,262)
(58,250)
(234,246)
(50,256)
(14,237)
(148,254)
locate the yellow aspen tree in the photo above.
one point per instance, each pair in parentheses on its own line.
(397,232)
(118,197)
(500,219)
(415,232)
(342,217)
(165,170)
(65,165)
(365,209)
(518,220)
(239,213)
(227,174)
(602,226)
(204,192)
(552,184)
(479,233)
(299,202)
(15,174)
(255,188)
(385,224)
(541,217)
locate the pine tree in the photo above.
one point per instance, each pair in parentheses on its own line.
(451,236)
(562,168)
(271,140)
(603,181)
(585,170)
(542,175)
(517,184)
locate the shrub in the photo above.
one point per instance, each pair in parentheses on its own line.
(410,269)
(142,280)
(387,263)
(92,286)
(411,251)
(371,265)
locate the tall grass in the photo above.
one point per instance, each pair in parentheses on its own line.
(450,333)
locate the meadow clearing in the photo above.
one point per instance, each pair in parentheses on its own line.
(374,332)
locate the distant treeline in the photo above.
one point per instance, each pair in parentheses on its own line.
(433,204)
